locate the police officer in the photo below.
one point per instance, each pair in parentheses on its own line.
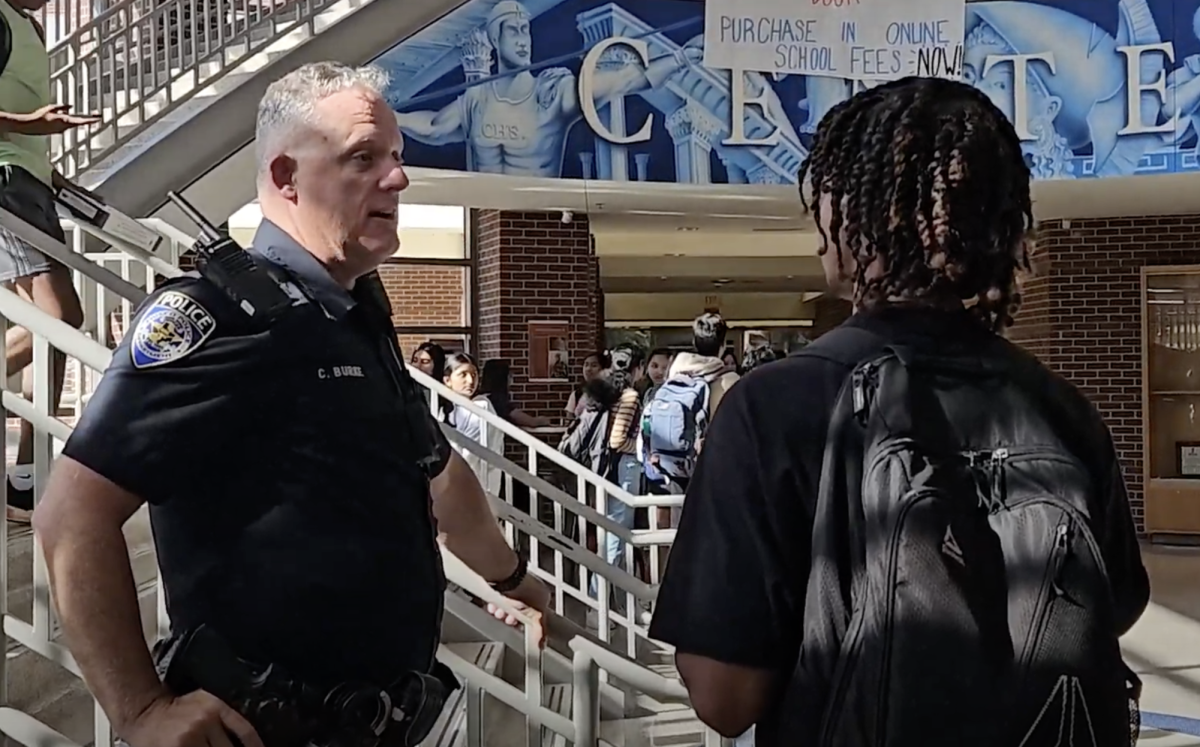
(295,501)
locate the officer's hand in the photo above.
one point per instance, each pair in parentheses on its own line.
(529,616)
(532,593)
(52,120)
(193,720)
(532,599)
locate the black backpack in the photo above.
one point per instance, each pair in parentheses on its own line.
(958,595)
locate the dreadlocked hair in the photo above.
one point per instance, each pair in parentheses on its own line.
(926,176)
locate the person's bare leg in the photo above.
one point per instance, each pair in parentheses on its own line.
(18,347)
(54,293)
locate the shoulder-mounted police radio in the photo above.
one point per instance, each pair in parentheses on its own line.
(222,262)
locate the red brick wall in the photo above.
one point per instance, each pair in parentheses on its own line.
(425,295)
(532,266)
(1082,314)
(1035,317)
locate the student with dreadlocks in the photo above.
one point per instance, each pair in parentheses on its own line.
(910,533)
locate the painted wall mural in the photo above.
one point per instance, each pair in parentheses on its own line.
(616,90)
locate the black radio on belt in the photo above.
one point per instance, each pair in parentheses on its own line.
(224,263)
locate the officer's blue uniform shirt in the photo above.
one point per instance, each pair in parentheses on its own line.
(287,506)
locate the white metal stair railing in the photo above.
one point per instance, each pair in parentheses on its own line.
(539,454)
(589,662)
(138,61)
(124,274)
(106,313)
(555,556)
(37,635)
(578,713)
(553,552)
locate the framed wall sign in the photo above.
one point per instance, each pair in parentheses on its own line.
(1187,456)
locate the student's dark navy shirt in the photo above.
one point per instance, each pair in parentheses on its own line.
(288,509)
(734,590)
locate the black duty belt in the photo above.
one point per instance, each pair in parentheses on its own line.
(287,712)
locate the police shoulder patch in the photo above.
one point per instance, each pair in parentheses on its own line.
(173,326)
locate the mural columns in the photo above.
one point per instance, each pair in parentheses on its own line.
(735,173)
(534,268)
(693,130)
(612,160)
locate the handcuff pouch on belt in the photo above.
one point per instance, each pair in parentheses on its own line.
(289,713)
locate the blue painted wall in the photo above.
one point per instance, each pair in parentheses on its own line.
(500,87)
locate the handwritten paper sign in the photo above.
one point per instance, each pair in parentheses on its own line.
(872,40)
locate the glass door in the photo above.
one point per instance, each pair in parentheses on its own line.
(1171,401)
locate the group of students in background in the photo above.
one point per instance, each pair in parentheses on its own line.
(488,388)
(636,419)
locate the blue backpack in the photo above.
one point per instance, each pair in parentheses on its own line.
(674,422)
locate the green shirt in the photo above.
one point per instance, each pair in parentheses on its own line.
(25,88)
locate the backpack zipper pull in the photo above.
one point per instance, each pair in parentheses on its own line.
(859,393)
(1062,539)
(859,381)
(999,484)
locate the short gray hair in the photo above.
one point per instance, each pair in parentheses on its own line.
(288,104)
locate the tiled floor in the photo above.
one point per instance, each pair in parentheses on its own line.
(1164,647)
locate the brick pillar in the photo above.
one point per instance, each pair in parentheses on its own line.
(534,267)
(830,312)
(1082,315)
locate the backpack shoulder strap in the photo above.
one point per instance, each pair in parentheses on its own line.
(702,408)
(597,419)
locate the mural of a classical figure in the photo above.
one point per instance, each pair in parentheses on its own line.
(616,90)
